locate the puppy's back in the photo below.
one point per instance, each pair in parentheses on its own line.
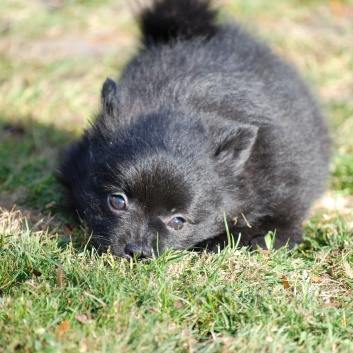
(191,61)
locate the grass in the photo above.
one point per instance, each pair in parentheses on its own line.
(58,298)
(58,295)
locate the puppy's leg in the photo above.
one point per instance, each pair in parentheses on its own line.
(285,234)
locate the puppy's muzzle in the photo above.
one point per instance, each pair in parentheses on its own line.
(133,250)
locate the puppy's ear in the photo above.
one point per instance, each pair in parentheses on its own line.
(233,143)
(109,97)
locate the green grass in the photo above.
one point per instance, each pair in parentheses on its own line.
(58,295)
(233,301)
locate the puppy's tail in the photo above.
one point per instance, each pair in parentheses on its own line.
(168,20)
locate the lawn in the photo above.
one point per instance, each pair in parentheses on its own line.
(58,295)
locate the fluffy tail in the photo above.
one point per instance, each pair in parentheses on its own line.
(168,20)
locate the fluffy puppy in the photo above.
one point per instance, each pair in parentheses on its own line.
(205,123)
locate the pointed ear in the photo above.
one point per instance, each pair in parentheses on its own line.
(233,143)
(109,97)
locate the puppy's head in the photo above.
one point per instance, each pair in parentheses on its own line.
(150,183)
(136,197)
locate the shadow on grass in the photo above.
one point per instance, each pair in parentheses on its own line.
(29,155)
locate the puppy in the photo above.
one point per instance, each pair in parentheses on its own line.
(205,125)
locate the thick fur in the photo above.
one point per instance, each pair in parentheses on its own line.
(205,122)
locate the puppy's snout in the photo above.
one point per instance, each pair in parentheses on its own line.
(137,251)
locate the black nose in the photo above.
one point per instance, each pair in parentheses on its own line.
(137,251)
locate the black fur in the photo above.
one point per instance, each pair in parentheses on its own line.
(168,21)
(204,122)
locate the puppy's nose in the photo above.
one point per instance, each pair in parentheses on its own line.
(137,251)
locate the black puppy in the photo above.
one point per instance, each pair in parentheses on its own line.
(204,122)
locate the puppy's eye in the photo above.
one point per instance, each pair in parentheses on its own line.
(176,223)
(118,202)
